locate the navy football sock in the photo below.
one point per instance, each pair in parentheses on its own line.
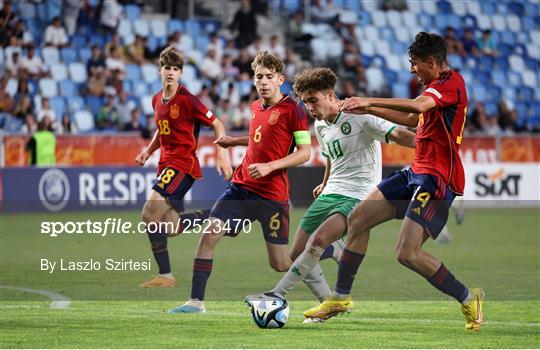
(327,254)
(201,214)
(201,272)
(348,266)
(444,281)
(158,240)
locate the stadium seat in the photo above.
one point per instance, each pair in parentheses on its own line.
(414,6)
(429,7)
(146,105)
(58,71)
(77,72)
(201,43)
(473,8)
(393,19)
(393,62)
(94,104)
(78,41)
(387,34)
(335,49)
(444,7)
(189,72)
(67,88)
(319,48)
(69,55)
(514,23)
(479,93)
(490,108)
(58,105)
(194,86)
(371,33)
(175,25)
(375,79)
(155,86)
(11,87)
(516,62)
(75,103)
(50,55)
(27,10)
(133,72)
(469,21)
(13,125)
(48,87)
(133,12)
(158,28)
(498,77)
(483,22)
(370,6)
(455,61)
(364,19)
(402,36)
(96,39)
(149,73)
(408,19)
(84,121)
(499,23)
(489,8)
(124,28)
(378,18)
(404,76)
(139,88)
(141,27)
(84,54)
(529,78)
(458,7)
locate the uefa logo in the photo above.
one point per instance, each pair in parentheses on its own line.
(54,189)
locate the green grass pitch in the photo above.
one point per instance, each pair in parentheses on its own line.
(497,249)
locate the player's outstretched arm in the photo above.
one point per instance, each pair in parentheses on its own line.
(403,137)
(142,157)
(318,190)
(227,141)
(412,107)
(223,165)
(301,155)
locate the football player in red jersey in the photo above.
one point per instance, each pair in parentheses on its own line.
(179,116)
(421,195)
(259,189)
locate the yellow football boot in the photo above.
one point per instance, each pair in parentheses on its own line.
(159,281)
(474,314)
(329,308)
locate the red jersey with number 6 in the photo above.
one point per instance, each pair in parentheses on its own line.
(271,138)
(178,123)
(440,130)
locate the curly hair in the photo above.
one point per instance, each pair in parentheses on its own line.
(313,80)
(428,44)
(269,61)
(171,57)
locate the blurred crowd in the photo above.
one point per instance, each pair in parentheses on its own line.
(224,68)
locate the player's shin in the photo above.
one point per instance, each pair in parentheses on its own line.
(158,240)
(317,284)
(348,267)
(201,272)
(445,281)
(299,269)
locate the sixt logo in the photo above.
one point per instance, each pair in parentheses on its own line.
(497,184)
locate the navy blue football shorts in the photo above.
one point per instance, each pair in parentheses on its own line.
(423,198)
(238,203)
(173,185)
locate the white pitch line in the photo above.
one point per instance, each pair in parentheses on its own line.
(58,301)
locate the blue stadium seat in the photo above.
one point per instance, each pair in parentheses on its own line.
(152,43)
(454,21)
(84,54)
(516,8)
(13,125)
(479,93)
(78,41)
(400,90)
(84,121)
(27,10)
(469,21)
(155,86)
(490,108)
(58,105)
(133,72)
(525,93)
(425,20)
(69,55)
(96,39)
(133,12)
(75,103)
(489,8)
(193,28)
(498,77)
(455,61)
(389,75)
(501,62)
(48,87)
(387,33)
(68,88)
(290,6)
(175,25)
(94,104)
(364,18)
(444,7)
(139,88)
(532,64)
(202,42)
(494,94)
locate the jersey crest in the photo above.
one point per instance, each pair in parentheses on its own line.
(346,128)
(274,117)
(175,111)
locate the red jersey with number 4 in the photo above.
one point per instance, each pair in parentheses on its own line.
(440,129)
(178,123)
(271,138)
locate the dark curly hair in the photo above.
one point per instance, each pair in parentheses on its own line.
(313,80)
(428,44)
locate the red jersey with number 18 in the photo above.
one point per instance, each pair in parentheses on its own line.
(271,138)
(179,120)
(440,129)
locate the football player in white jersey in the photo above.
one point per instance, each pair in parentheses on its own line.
(351,145)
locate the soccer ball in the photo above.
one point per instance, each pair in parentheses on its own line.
(270,312)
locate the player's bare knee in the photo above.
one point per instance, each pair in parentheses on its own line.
(406,257)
